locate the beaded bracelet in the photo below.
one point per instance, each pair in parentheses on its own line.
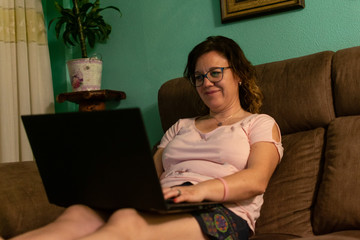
(226,189)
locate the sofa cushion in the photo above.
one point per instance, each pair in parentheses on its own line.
(297,92)
(341,179)
(23,202)
(289,196)
(346,75)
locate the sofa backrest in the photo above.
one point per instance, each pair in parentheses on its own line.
(312,90)
(297,92)
(346,81)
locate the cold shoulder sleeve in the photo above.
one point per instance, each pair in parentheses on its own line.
(260,130)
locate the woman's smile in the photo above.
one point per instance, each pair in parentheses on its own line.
(211,92)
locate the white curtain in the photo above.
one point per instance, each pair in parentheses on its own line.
(25,74)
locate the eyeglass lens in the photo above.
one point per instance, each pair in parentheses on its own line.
(214,75)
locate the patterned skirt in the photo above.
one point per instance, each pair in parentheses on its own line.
(220,223)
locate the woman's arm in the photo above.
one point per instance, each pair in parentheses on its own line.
(158,161)
(254,179)
(242,185)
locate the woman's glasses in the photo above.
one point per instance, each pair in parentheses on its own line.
(214,75)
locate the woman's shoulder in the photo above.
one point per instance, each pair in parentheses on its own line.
(257,120)
(181,123)
(186,121)
(260,117)
(174,130)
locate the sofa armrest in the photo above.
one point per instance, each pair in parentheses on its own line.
(23,202)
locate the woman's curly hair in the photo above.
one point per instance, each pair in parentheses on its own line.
(249,93)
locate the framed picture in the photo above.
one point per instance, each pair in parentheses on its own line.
(239,9)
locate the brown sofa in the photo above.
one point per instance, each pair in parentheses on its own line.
(313,194)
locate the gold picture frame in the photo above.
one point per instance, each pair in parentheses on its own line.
(240,9)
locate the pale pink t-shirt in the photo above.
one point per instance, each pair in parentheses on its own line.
(190,155)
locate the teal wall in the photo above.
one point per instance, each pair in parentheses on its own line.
(150,42)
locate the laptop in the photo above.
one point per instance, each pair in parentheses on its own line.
(100,159)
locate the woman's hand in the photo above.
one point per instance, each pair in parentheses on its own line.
(179,194)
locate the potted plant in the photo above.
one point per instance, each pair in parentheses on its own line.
(81,25)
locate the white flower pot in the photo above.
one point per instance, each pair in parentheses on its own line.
(85,74)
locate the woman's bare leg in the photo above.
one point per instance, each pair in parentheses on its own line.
(127,224)
(77,221)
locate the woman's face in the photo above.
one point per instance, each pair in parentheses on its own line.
(222,95)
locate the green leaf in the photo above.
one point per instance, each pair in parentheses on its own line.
(111,7)
(66,38)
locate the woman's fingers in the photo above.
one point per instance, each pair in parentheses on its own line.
(172,192)
(183,194)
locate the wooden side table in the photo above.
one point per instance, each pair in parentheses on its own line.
(91,100)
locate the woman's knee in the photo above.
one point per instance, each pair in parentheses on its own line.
(82,215)
(128,219)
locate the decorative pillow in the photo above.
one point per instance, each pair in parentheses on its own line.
(289,196)
(338,207)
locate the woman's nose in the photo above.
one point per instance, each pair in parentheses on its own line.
(207,82)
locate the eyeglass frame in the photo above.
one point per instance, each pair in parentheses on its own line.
(193,80)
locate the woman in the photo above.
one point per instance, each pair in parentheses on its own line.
(227,155)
